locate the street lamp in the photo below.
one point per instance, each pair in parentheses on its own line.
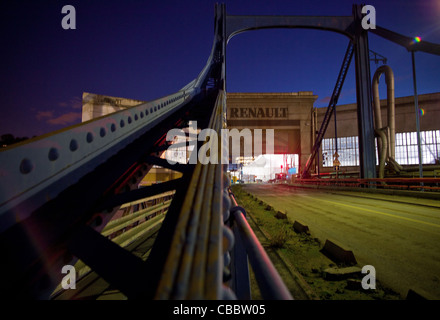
(416,106)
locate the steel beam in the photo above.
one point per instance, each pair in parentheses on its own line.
(407,42)
(239,24)
(367,151)
(330,109)
(60,190)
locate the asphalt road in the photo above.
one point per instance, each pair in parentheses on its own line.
(399,236)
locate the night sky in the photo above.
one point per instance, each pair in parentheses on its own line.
(148,49)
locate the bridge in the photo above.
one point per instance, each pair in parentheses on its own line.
(62,193)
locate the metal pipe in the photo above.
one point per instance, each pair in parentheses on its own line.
(312,122)
(269,281)
(383,153)
(391,118)
(336,155)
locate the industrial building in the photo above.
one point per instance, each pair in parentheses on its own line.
(296,121)
(406,153)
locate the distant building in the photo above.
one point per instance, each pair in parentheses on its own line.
(289,114)
(296,121)
(406,135)
(96,105)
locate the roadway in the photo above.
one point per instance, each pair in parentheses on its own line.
(399,236)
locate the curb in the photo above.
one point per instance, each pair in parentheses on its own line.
(407,193)
(309,292)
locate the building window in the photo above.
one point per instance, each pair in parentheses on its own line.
(406,151)
(348,150)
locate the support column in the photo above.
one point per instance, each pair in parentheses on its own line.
(367,151)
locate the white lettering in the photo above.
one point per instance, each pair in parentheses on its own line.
(209,151)
(369,281)
(237,309)
(192,126)
(369,21)
(69,21)
(171,136)
(69,281)
(190,310)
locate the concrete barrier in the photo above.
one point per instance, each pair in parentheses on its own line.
(338,254)
(342,273)
(420,294)
(354,284)
(280,215)
(298,227)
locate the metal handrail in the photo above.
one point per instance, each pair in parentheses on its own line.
(194,264)
(123,222)
(431,184)
(400,180)
(269,281)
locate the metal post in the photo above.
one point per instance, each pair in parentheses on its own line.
(416,106)
(269,280)
(367,152)
(240,283)
(336,154)
(336,132)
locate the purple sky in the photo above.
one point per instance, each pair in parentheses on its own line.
(147,49)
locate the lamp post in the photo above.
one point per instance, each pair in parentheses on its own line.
(416,106)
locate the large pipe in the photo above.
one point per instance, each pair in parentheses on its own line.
(389,78)
(382,152)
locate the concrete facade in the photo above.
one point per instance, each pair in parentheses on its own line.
(97,105)
(347,125)
(293,117)
(346,116)
(289,114)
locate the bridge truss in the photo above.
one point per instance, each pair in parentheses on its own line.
(59,192)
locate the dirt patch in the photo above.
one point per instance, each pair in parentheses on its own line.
(298,257)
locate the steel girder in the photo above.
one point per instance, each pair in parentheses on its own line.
(349,26)
(59,191)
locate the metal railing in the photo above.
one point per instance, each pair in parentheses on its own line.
(427,184)
(269,281)
(60,190)
(194,264)
(128,232)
